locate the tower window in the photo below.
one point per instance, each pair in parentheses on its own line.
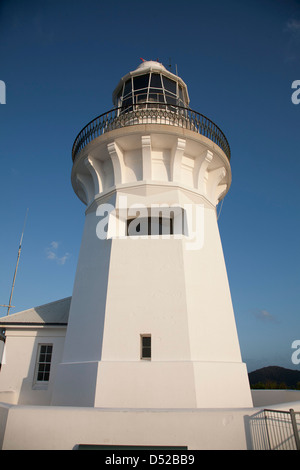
(146,347)
(150,226)
(43,364)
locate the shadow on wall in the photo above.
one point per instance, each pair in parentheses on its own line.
(2,342)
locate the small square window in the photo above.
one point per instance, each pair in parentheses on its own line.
(146,347)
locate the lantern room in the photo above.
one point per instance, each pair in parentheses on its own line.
(150,85)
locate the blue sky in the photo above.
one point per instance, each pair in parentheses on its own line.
(61,60)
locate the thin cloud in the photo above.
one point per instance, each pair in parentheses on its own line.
(264,315)
(292,30)
(51,252)
(293,27)
(63,259)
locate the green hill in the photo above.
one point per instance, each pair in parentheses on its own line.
(275,377)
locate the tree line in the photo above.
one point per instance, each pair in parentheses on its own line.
(269,385)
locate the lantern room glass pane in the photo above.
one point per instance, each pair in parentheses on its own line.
(155,80)
(127,87)
(155,97)
(171,100)
(169,85)
(180,93)
(141,81)
(141,97)
(127,102)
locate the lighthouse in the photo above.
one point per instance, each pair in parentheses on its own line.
(151,321)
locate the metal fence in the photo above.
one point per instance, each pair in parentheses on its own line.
(282,429)
(275,430)
(150,113)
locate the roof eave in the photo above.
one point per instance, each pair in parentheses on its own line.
(36,324)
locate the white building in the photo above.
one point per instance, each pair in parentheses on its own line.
(150,327)
(34,345)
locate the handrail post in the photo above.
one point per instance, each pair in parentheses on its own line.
(267,429)
(295,428)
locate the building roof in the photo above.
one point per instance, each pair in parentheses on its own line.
(153,64)
(54,313)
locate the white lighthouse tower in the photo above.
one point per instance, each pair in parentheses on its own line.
(151,321)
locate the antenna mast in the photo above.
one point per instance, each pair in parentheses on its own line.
(9,306)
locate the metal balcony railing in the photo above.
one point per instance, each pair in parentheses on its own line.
(150,113)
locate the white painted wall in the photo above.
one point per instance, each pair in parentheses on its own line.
(17,383)
(127,287)
(63,428)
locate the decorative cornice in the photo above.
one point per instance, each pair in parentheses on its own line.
(111,167)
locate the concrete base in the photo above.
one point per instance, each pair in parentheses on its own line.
(173,384)
(65,428)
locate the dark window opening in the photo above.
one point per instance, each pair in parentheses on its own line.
(141,81)
(150,226)
(127,87)
(155,81)
(145,347)
(169,85)
(141,97)
(127,104)
(171,100)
